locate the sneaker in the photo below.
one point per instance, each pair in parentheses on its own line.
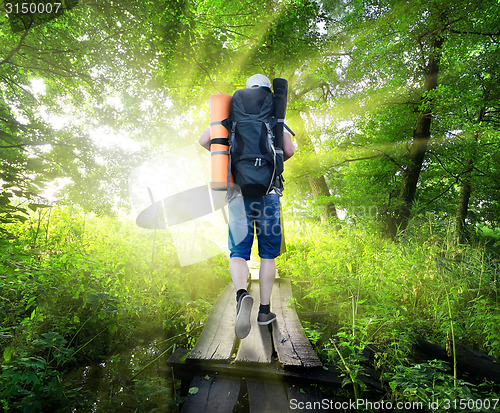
(265,319)
(243,309)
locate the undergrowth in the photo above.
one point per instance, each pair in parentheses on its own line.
(76,289)
(383,294)
(79,290)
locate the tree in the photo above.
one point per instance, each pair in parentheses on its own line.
(394,59)
(225,42)
(94,66)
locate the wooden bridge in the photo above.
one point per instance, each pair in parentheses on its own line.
(274,369)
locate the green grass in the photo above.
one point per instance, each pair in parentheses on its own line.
(95,287)
(77,289)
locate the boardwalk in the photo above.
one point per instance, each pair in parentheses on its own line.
(270,370)
(285,337)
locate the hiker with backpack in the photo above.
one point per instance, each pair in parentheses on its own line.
(257,148)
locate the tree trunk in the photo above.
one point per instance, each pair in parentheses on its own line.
(463,202)
(421,136)
(318,185)
(469,360)
(319,189)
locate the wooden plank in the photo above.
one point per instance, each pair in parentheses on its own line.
(267,396)
(189,368)
(223,395)
(257,346)
(254,274)
(217,340)
(197,402)
(469,360)
(291,344)
(282,339)
(215,394)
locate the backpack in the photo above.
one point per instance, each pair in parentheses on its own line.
(255,161)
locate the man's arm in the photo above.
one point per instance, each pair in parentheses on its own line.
(205,139)
(288,148)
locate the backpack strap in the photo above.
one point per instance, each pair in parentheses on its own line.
(224,122)
(229,193)
(277,181)
(220,141)
(220,153)
(288,129)
(285,125)
(270,137)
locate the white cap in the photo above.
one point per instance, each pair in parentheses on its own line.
(258,81)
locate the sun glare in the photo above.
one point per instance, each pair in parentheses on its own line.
(177,180)
(104,137)
(37,87)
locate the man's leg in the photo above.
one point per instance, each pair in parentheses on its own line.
(238,269)
(269,236)
(239,273)
(266,279)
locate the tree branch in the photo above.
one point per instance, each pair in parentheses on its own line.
(437,197)
(359,159)
(113,35)
(202,67)
(68,73)
(400,167)
(22,145)
(18,47)
(477,33)
(442,165)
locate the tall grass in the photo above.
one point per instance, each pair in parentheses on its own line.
(382,294)
(407,287)
(76,288)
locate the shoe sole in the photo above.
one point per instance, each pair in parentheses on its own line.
(242,324)
(265,323)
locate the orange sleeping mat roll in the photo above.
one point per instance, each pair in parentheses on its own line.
(219,110)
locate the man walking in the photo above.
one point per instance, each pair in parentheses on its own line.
(246,216)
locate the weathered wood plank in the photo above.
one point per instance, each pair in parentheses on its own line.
(189,368)
(472,361)
(217,340)
(197,402)
(223,395)
(217,394)
(291,344)
(257,346)
(267,396)
(282,339)
(254,274)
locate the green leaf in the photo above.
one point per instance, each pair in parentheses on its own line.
(7,354)
(193,390)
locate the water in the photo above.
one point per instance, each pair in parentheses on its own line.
(132,381)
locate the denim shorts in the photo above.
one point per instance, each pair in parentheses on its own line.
(261,215)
